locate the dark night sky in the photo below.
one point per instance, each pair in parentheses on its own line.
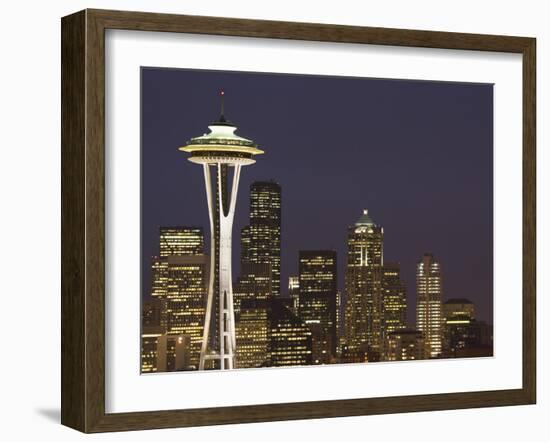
(417,154)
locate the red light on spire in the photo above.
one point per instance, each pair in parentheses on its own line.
(222,96)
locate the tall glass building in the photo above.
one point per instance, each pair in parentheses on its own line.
(290,337)
(179,282)
(261,239)
(317,288)
(394,299)
(253,334)
(364,309)
(429,314)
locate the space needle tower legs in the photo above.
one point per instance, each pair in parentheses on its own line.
(221,223)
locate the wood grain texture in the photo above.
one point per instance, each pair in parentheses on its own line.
(95,222)
(73,254)
(83,219)
(144,21)
(529,221)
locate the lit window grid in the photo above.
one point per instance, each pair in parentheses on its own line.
(180,241)
(429,314)
(363,317)
(183,290)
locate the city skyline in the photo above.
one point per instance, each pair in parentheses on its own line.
(298,232)
(309,173)
(272,331)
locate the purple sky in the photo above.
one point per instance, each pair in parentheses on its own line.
(417,154)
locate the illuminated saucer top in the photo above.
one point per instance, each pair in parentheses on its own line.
(222,144)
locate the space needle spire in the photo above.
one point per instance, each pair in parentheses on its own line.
(220,152)
(222,105)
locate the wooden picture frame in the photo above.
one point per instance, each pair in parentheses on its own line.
(83,216)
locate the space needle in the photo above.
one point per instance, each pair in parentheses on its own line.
(219,152)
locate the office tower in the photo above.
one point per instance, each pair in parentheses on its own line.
(159,284)
(317,279)
(173,353)
(473,340)
(404,345)
(459,307)
(186,300)
(294,292)
(429,315)
(261,239)
(364,288)
(320,344)
(245,244)
(457,334)
(149,348)
(341,342)
(349,355)
(458,314)
(464,336)
(253,334)
(181,241)
(394,300)
(261,245)
(223,151)
(161,352)
(173,241)
(290,337)
(253,284)
(339,317)
(150,313)
(179,285)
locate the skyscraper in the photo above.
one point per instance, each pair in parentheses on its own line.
(181,240)
(261,239)
(159,286)
(404,345)
(179,284)
(259,278)
(245,244)
(222,150)
(364,308)
(459,307)
(186,300)
(429,315)
(294,292)
(290,338)
(173,353)
(173,241)
(394,300)
(464,336)
(252,296)
(317,279)
(253,333)
(261,245)
(339,315)
(150,335)
(161,352)
(253,284)
(150,313)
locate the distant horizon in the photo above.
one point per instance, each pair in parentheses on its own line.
(309,127)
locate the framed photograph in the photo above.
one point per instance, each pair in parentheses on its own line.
(267,220)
